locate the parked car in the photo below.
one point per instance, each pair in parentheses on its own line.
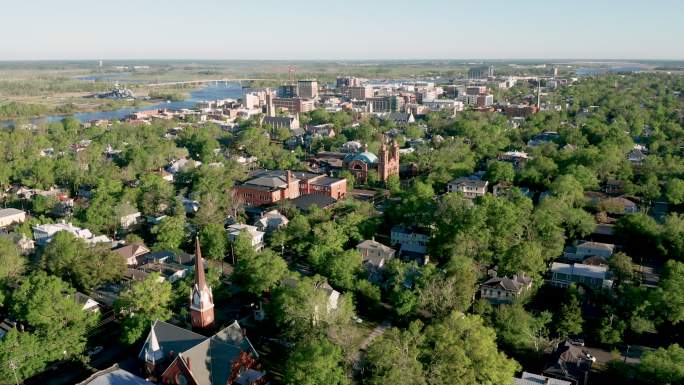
(93,351)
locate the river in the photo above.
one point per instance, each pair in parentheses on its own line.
(210,92)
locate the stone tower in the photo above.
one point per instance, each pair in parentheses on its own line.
(201,299)
(388,162)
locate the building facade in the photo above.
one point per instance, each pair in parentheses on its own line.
(307,89)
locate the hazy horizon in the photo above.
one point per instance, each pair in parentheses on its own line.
(354,30)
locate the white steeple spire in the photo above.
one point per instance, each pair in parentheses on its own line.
(153,352)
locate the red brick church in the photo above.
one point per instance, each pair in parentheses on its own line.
(172,355)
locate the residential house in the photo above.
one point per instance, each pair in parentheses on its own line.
(25,244)
(594,277)
(256,237)
(410,241)
(271,221)
(375,254)
(615,187)
(129,219)
(176,356)
(587,249)
(168,271)
(636,157)
(132,253)
(619,205)
(114,376)
(86,303)
(517,158)
(536,379)
(43,233)
(11,216)
(570,363)
(470,187)
(504,289)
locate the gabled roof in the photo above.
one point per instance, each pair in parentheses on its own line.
(172,339)
(10,212)
(374,245)
(597,245)
(514,284)
(132,250)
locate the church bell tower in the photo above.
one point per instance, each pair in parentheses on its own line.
(201,299)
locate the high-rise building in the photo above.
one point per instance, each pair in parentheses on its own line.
(392,103)
(476,90)
(287,91)
(347,81)
(307,89)
(360,92)
(201,298)
(480,72)
(294,105)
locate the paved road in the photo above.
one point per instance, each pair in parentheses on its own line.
(377,332)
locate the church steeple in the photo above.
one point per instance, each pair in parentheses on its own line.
(201,298)
(153,351)
(200,281)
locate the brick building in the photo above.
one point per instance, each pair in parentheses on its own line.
(269,187)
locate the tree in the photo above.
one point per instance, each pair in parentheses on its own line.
(672,237)
(498,172)
(82,265)
(259,272)
(46,306)
(394,357)
(142,304)
(315,362)
(570,318)
(170,233)
(674,191)
(671,291)
(214,241)
(454,289)
(26,353)
(460,350)
(663,366)
(622,267)
(12,263)
(518,329)
(300,306)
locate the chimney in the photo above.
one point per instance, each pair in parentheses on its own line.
(187,363)
(289,178)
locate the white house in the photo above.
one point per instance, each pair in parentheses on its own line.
(271,221)
(587,249)
(129,220)
(504,289)
(256,236)
(471,188)
(11,216)
(43,233)
(596,277)
(409,240)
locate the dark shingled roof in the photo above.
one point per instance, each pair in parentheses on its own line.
(306,202)
(172,338)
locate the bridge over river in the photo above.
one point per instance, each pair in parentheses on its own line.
(206,81)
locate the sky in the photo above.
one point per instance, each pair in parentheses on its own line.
(341,29)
